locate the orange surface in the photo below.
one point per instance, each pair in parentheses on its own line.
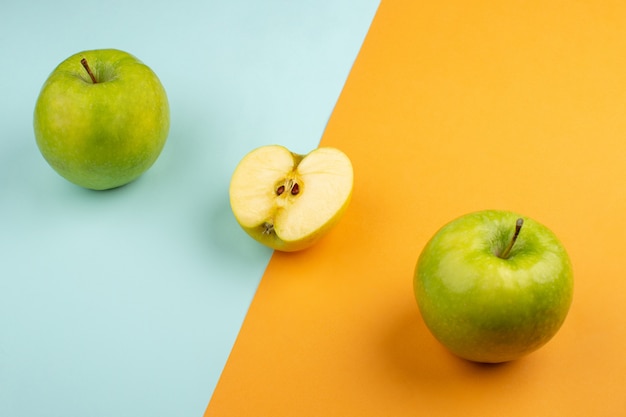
(451,107)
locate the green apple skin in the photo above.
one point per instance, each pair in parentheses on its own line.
(106,134)
(482,307)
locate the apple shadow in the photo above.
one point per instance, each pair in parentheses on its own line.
(223,234)
(195,168)
(416,358)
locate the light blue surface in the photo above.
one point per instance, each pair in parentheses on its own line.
(127,302)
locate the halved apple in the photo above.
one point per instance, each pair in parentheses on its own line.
(289,201)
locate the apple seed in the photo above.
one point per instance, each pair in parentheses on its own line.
(294,187)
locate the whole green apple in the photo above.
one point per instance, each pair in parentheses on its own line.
(493,286)
(101,119)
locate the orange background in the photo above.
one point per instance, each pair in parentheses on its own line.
(451,107)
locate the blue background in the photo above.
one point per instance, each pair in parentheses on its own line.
(127,302)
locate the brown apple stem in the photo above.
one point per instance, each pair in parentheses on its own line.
(518,226)
(86,66)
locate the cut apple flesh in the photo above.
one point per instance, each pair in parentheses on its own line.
(276,192)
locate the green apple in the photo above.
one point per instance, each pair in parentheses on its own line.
(493,286)
(289,201)
(101,119)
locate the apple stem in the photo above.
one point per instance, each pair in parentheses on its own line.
(86,66)
(518,226)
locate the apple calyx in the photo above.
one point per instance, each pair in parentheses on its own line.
(268,228)
(88,69)
(507,251)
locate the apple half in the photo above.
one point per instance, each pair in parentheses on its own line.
(289,201)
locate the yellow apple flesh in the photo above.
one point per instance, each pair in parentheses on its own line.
(288,201)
